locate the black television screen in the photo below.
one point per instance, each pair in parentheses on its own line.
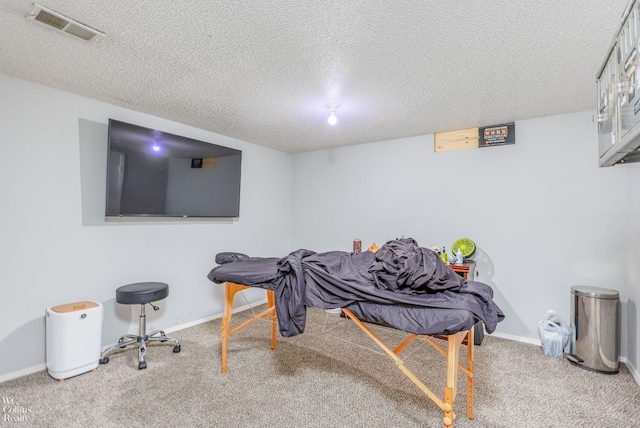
(154,173)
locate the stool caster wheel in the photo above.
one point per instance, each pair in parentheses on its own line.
(142,365)
(104,360)
(176,349)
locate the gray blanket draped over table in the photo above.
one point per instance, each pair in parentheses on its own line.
(399,273)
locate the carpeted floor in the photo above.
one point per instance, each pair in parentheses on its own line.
(318,380)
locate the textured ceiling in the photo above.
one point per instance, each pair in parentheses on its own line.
(264,72)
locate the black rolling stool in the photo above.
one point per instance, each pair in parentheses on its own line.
(141,293)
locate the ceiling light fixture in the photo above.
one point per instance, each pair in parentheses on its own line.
(332,117)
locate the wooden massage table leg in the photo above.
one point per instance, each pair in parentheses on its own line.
(452,353)
(470,372)
(271,304)
(454,344)
(230,290)
(466,336)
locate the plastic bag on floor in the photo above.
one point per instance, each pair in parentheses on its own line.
(554,334)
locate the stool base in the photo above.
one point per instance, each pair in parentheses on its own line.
(142,338)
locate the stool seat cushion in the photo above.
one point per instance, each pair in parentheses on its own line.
(142,292)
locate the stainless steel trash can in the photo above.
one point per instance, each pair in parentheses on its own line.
(595,321)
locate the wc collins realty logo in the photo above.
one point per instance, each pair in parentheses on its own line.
(12,411)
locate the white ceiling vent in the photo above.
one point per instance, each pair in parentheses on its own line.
(62,23)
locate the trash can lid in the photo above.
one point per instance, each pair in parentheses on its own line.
(597,292)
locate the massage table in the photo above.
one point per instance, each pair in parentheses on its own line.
(434,325)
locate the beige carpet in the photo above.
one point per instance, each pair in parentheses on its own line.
(317,380)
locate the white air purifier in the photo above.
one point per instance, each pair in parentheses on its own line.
(74,337)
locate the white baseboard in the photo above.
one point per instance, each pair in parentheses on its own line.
(40,367)
(634,372)
(214,317)
(517,338)
(23,372)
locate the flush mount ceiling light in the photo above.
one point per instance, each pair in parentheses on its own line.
(332,117)
(61,23)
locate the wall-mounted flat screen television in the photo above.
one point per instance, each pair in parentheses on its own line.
(151,173)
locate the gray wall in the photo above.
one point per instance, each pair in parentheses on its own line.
(632,299)
(56,247)
(543,215)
